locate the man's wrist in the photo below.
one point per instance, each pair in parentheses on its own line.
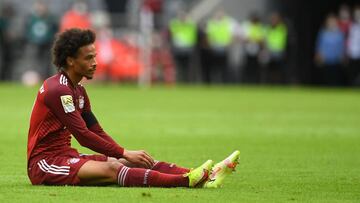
(124,154)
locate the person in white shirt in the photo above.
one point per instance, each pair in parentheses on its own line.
(353,50)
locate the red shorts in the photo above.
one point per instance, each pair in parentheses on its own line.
(59,170)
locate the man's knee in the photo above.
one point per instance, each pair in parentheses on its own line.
(111,159)
(113,168)
(93,172)
(122,161)
(114,165)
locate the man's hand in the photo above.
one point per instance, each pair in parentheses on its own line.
(139,158)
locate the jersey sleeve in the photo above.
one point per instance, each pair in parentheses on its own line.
(87,105)
(94,125)
(96,128)
(61,104)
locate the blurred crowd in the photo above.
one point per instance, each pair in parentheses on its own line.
(338,48)
(264,48)
(216,49)
(28,53)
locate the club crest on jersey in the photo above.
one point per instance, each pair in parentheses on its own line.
(67,103)
(81,102)
(73,161)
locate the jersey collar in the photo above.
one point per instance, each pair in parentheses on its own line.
(68,78)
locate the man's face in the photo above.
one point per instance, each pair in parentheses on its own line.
(84,63)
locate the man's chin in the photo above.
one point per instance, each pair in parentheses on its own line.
(88,77)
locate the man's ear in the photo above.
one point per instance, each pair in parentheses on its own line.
(70,61)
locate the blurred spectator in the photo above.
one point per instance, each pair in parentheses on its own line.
(219,33)
(353,50)
(275,43)
(162,65)
(330,51)
(254,36)
(40,30)
(183,37)
(156,8)
(6,45)
(105,44)
(344,21)
(116,60)
(77,16)
(204,55)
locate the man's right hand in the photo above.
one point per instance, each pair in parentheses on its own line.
(139,158)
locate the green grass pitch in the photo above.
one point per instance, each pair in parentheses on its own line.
(297,144)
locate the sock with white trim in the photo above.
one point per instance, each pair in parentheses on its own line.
(139,177)
(169,168)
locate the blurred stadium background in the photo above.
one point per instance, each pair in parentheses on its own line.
(298,144)
(183,41)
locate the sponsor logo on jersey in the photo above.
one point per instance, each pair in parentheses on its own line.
(73,160)
(67,103)
(81,102)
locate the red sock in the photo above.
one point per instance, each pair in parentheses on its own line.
(168,168)
(139,177)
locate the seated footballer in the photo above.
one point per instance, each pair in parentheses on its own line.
(62,109)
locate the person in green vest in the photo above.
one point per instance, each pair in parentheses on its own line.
(219,32)
(276,44)
(254,36)
(183,37)
(40,29)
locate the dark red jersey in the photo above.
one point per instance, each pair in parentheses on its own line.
(57,114)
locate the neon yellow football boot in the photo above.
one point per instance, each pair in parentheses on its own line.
(199,175)
(222,169)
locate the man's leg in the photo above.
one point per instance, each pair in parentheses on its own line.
(98,173)
(160,166)
(112,172)
(169,168)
